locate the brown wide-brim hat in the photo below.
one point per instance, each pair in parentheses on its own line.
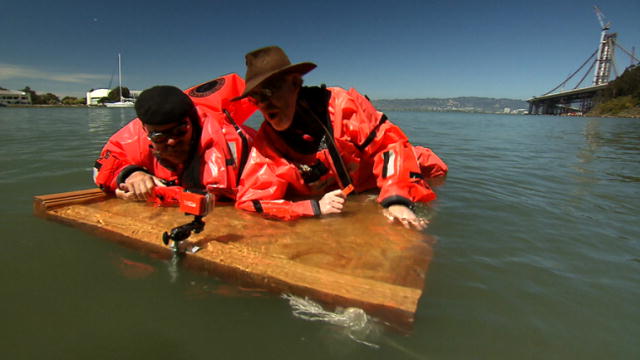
(267,62)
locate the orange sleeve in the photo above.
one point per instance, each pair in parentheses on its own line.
(430,164)
(395,165)
(123,154)
(263,187)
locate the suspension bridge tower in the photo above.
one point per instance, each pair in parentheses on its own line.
(605,53)
(580,100)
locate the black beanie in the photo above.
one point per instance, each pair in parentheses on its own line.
(162,105)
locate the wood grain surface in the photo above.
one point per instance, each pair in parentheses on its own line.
(352,259)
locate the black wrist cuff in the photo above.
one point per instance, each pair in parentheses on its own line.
(397,200)
(124,174)
(315,205)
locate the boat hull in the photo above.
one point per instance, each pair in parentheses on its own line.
(120,104)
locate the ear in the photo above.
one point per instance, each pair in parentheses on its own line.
(296,80)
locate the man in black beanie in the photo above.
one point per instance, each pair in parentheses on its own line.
(199,147)
(170,119)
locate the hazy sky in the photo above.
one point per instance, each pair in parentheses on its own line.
(386,49)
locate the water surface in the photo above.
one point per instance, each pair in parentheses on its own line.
(538,253)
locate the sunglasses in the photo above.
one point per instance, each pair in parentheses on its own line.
(266,91)
(176,132)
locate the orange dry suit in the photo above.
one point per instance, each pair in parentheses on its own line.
(337,138)
(220,152)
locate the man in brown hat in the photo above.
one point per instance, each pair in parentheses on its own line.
(322,143)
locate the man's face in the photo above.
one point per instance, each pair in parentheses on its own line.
(276,99)
(171,142)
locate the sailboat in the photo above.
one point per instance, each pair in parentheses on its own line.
(124,102)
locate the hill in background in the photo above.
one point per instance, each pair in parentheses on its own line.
(463,104)
(621,97)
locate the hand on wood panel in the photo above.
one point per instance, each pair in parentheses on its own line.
(405,216)
(138,186)
(332,202)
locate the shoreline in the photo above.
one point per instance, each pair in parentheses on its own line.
(53,106)
(630,114)
(633,113)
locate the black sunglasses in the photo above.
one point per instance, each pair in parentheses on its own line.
(266,91)
(176,132)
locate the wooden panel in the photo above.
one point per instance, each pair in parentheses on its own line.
(352,259)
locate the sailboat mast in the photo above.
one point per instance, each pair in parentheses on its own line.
(120,77)
(124,102)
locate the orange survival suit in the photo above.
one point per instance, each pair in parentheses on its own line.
(301,161)
(223,145)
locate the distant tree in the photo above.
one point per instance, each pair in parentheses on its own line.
(621,95)
(35,98)
(615,106)
(114,94)
(71,100)
(627,84)
(49,99)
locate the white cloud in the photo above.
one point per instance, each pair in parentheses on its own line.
(9,71)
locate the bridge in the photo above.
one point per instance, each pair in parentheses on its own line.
(575,101)
(580,100)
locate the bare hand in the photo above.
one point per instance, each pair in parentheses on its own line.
(138,186)
(332,202)
(405,216)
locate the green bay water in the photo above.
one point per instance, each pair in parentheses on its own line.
(537,253)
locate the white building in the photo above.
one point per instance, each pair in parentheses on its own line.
(10,97)
(94,95)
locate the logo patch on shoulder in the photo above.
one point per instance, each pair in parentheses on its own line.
(207,88)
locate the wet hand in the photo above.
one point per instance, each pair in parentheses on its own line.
(405,216)
(138,186)
(332,202)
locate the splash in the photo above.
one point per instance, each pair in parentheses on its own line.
(356,323)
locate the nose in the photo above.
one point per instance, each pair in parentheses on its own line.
(263,105)
(259,101)
(171,141)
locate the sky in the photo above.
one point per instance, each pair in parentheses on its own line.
(389,49)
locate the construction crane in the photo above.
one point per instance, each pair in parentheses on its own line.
(600,16)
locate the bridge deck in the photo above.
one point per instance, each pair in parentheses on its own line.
(567,93)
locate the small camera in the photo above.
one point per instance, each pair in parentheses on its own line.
(182,232)
(198,205)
